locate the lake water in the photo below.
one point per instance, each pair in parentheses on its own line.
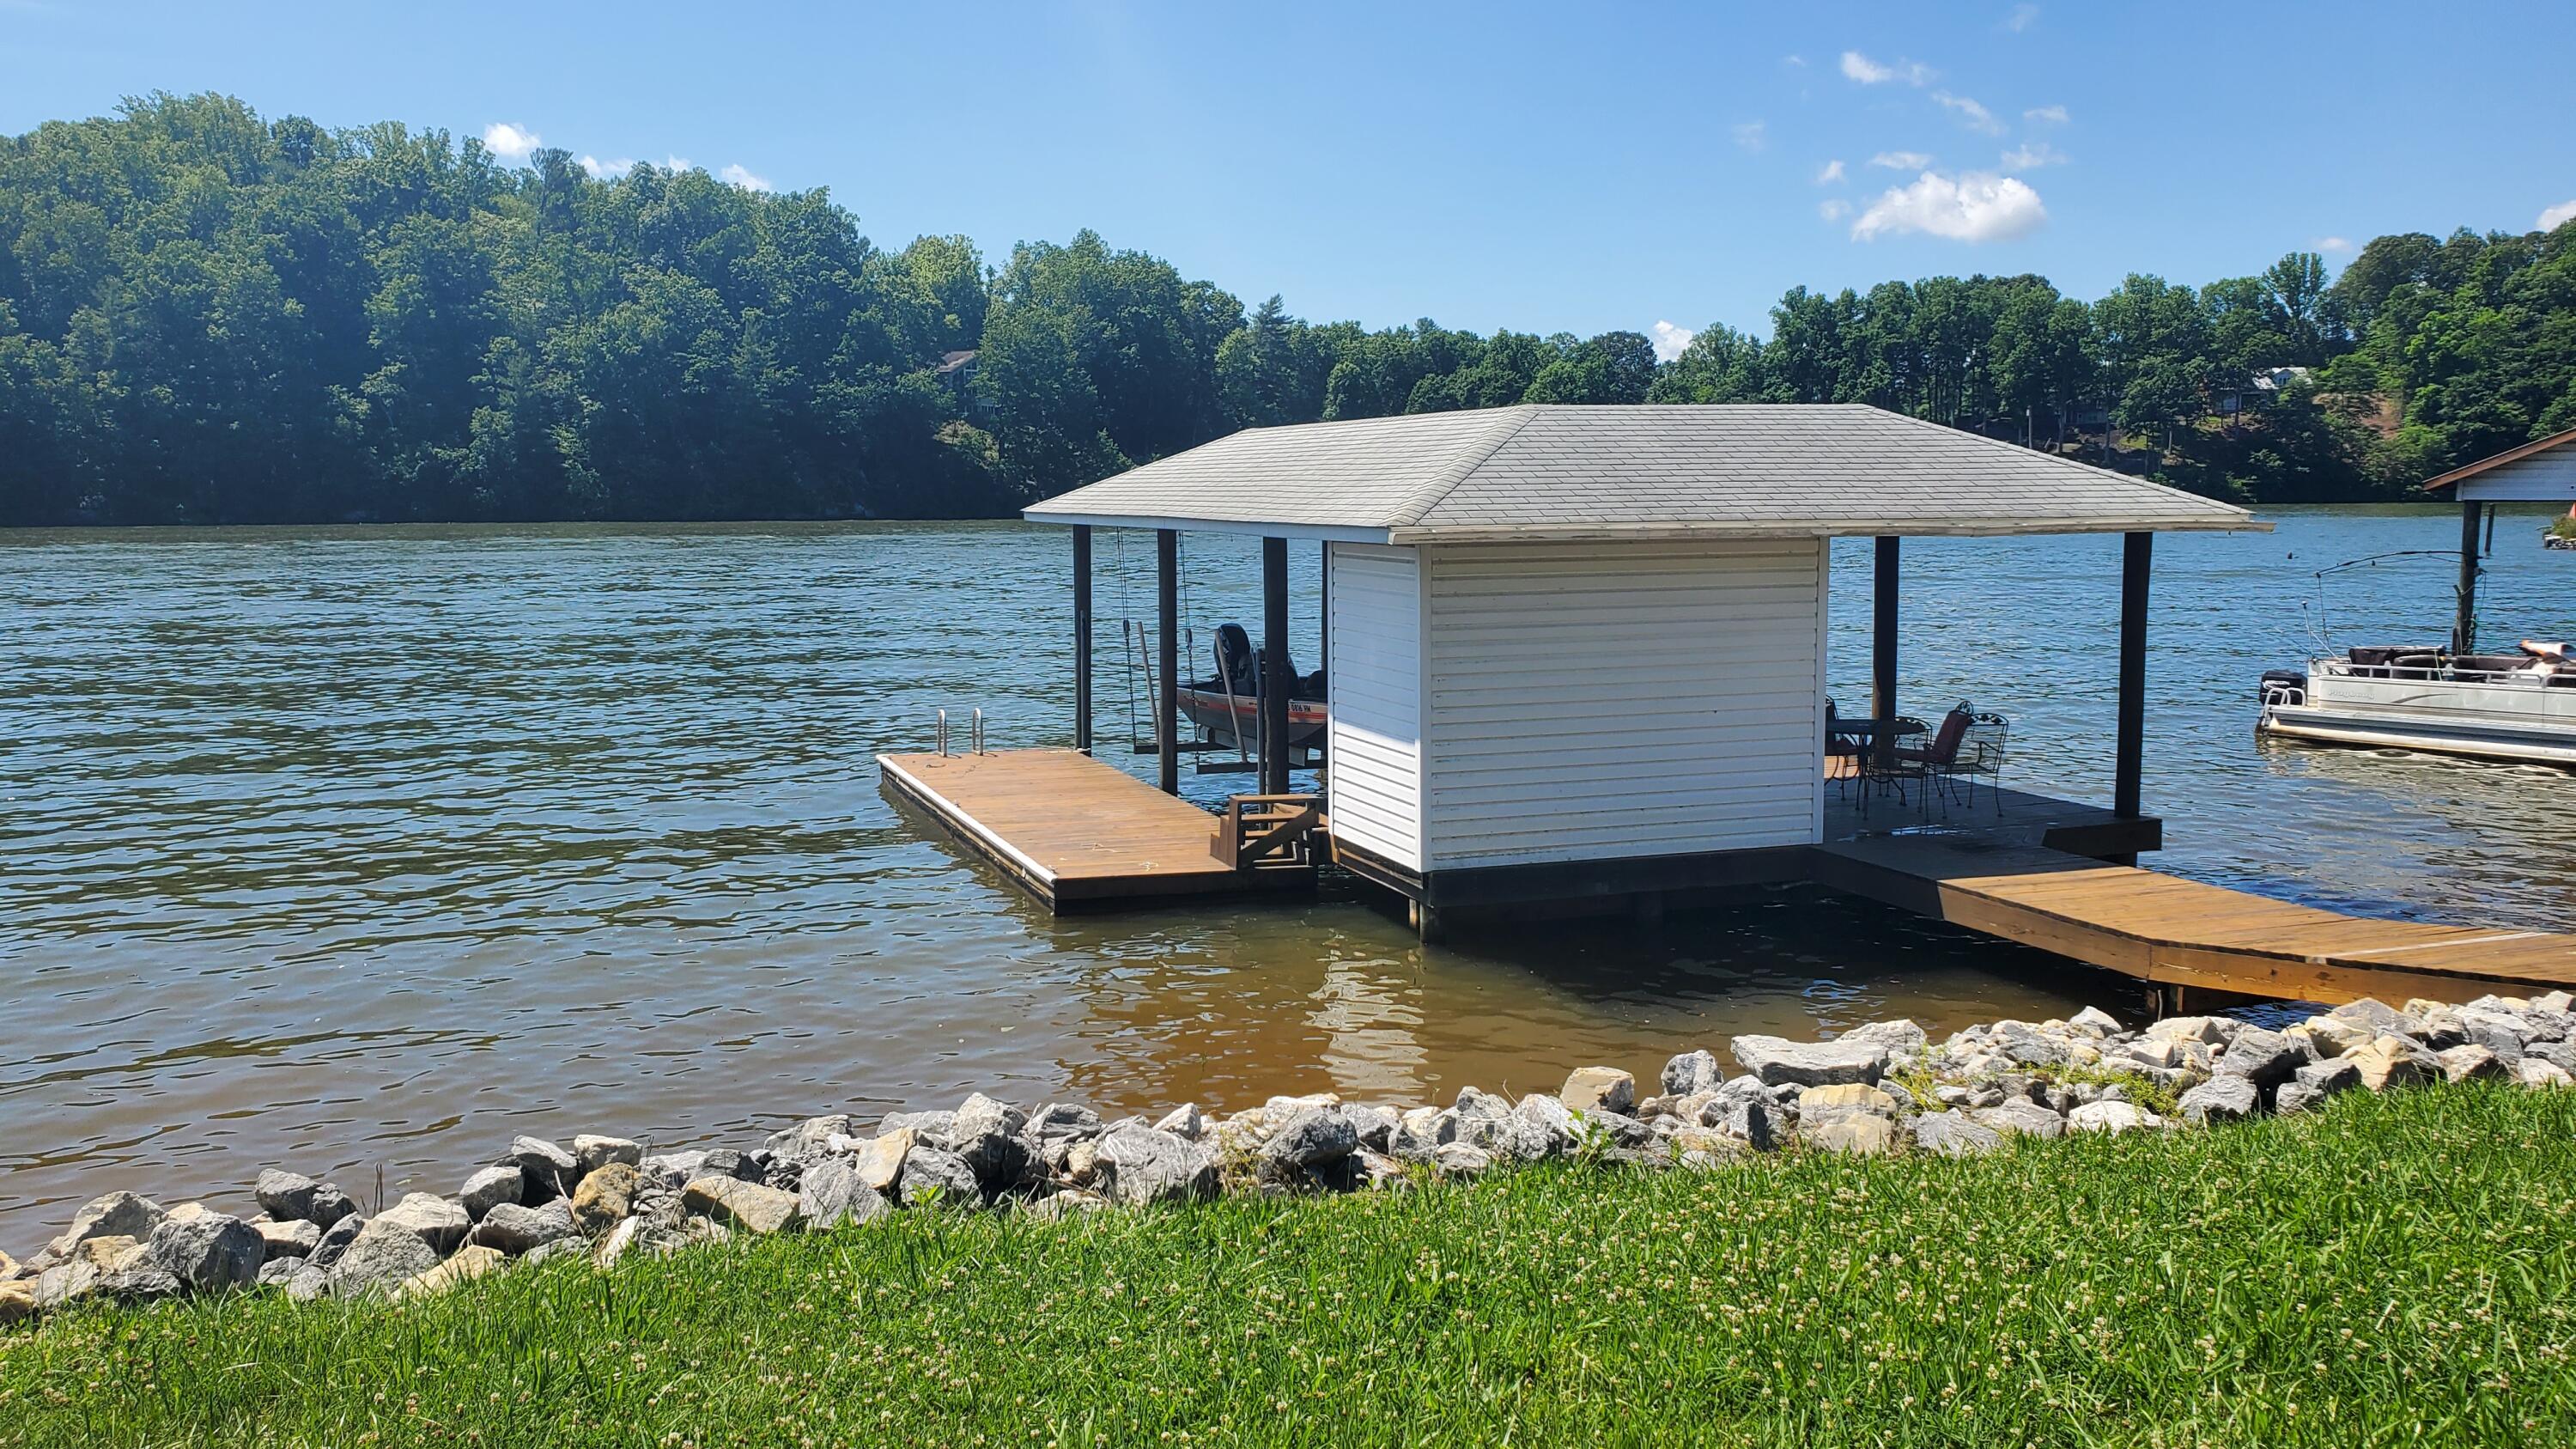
(361,850)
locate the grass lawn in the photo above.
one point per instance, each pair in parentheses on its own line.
(2396,1269)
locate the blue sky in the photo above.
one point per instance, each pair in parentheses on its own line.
(1545,167)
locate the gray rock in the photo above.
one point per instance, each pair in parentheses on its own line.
(832,1194)
(276,1271)
(2295,1096)
(207,1251)
(1376,1125)
(293,1197)
(295,1239)
(1184,1121)
(111,1215)
(2469,1062)
(1691,1072)
(1756,1122)
(548,1170)
(1458,1159)
(980,1115)
(1065,1122)
(2024,1116)
(515,1228)
(808,1140)
(379,1259)
(2024,1045)
(2438,1027)
(1311,1138)
(2227,1098)
(1778,1061)
(2561,1054)
(934,1174)
(1550,1128)
(2094,1021)
(336,1240)
(66,1283)
(591,1152)
(2266,1058)
(1952,1134)
(2111,1117)
(308,1283)
(2374,1016)
(1136,1164)
(2324,1079)
(1901,1037)
(490,1187)
(931,1127)
(441,1224)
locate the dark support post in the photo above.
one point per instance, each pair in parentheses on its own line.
(2135,554)
(1082,637)
(1882,652)
(1167,681)
(1275,682)
(2491,518)
(2464,626)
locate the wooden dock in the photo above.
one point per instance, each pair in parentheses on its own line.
(2185,933)
(1076,831)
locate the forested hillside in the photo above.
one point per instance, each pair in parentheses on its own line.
(208,317)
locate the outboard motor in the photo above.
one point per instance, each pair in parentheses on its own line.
(2283,686)
(1238,669)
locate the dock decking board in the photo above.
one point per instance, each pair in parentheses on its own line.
(1074,830)
(2187,933)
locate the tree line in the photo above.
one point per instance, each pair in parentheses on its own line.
(207,317)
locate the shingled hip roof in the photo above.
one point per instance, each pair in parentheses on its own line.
(1550,471)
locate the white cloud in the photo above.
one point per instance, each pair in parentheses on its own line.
(2021,18)
(607,170)
(1752,135)
(678,163)
(1669,341)
(1832,173)
(2045,115)
(1869,72)
(1902,160)
(735,174)
(2558,216)
(2338,244)
(1975,117)
(1978,206)
(510,142)
(1834,210)
(2031,155)
(1794,62)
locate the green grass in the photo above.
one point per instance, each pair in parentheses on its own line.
(2395,1269)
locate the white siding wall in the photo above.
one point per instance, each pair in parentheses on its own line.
(2548,476)
(1591,702)
(1374,676)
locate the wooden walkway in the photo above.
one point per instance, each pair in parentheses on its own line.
(2185,933)
(1074,830)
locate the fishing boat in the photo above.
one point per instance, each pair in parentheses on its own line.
(2452,700)
(1225,706)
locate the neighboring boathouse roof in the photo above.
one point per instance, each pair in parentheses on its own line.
(1551,471)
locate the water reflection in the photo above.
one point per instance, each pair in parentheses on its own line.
(351,848)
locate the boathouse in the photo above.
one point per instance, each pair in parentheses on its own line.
(1580,651)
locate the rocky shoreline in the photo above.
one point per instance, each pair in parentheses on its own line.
(1879,1089)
